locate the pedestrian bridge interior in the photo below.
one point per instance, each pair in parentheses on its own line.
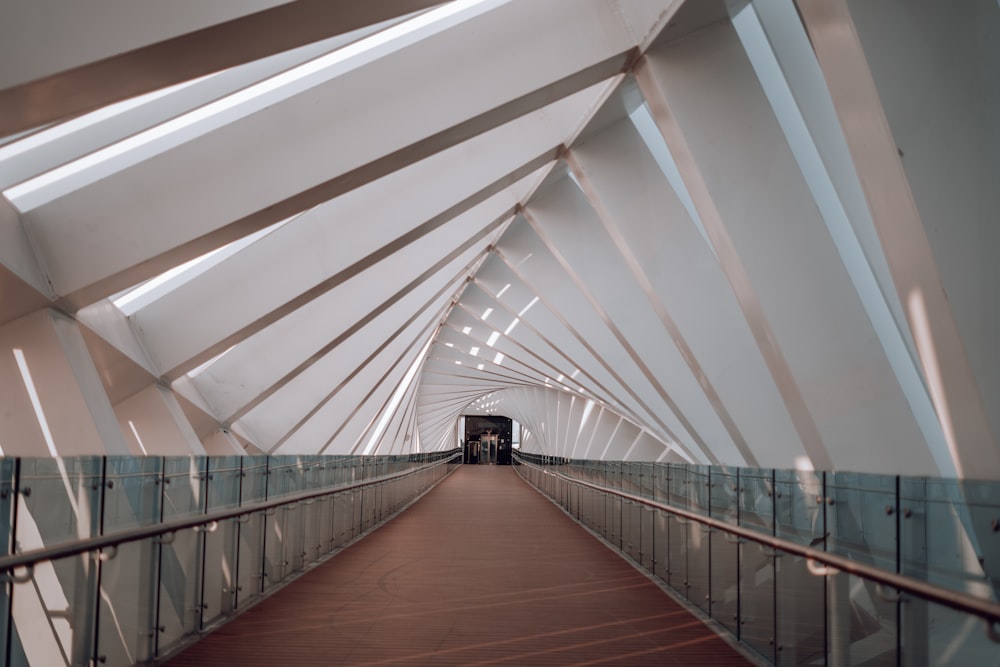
(716,277)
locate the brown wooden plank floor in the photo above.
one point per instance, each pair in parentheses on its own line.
(483,570)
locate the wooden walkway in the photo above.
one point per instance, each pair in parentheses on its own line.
(481,571)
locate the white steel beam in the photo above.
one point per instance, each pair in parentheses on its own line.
(200,194)
(110,50)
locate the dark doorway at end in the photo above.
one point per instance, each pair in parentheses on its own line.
(487,440)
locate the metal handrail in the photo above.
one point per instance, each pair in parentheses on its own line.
(31,558)
(985,609)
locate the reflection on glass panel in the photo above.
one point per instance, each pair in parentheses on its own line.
(678,481)
(661,546)
(756,500)
(180,560)
(947,537)
(58,502)
(699,559)
(219,582)
(647,546)
(53,613)
(630,529)
(127,613)
(723,496)
(677,541)
(613,524)
(935,636)
(725,580)
(661,482)
(799,600)
(757,575)
(250,567)
(861,517)
(800,612)
(698,488)
(757,591)
(862,623)
(798,515)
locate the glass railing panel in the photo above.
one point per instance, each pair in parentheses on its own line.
(678,484)
(948,538)
(757,599)
(661,482)
(861,517)
(613,525)
(699,488)
(250,563)
(725,552)
(661,545)
(53,614)
(286,476)
(699,561)
(798,516)
(699,555)
(649,480)
(319,536)
(631,531)
(756,499)
(647,544)
(341,510)
(357,520)
(179,601)
(58,502)
(219,584)
(368,506)
(757,575)
(583,506)
(936,636)
(297,552)
(800,612)
(677,539)
(326,474)
(127,613)
(380,510)
(725,580)
(631,478)
(948,535)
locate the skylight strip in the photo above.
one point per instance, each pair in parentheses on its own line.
(643,121)
(31,193)
(528,307)
(61,130)
(135,299)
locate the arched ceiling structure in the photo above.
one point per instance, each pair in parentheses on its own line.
(719,232)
